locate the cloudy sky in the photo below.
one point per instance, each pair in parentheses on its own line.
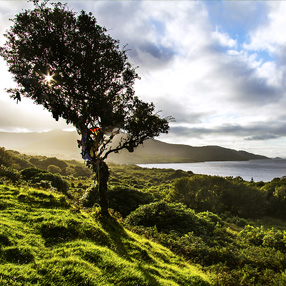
(218,67)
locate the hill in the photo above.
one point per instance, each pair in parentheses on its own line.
(154,151)
(62,144)
(53,234)
(45,241)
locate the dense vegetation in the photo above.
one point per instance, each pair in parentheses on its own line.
(231,228)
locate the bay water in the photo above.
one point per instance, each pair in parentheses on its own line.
(259,170)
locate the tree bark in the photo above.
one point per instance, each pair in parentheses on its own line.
(102,176)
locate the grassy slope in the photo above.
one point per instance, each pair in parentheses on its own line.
(44,241)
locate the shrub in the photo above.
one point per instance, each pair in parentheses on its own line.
(211,218)
(125,200)
(90,197)
(10,174)
(54,169)
(5,158)
(35,175)
(169,216)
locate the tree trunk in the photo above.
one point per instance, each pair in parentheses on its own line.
(102,176)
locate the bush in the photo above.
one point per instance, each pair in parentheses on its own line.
(169,217)
(9,173)
(35,175)
(5,158)
(211,218)
(90,197)
(54,169)
(125,200)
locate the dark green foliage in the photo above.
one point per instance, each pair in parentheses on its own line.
(82,171)
(90,197)
(57,233)
(228,217)
(53,161)
(258,236)
(276,194)
(4,240)
(170,217)
(20,161)
(121,199)
(125,200)
(179,174)
(54,169)
(211,218)
(5,158)
(30,173)
(10,174)
(35,175)
(9,158)
(219,195)
(16,255)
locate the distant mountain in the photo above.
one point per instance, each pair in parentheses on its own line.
(154,151)
(56,143)
(63,144)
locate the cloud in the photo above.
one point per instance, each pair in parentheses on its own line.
(256,131)
(266,136)
(224,39)
(270,35)
(218,67)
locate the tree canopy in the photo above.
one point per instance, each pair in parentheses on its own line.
(69,64)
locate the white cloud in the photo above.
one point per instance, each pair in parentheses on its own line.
(271,35)
(224,39)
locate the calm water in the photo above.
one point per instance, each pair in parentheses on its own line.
(259,170)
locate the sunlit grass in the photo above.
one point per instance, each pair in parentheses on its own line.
(44,241)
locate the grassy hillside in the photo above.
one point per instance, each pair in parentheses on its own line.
(51,229)
(45,241)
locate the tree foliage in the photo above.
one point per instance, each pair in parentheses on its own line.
(219,195)
(70,65)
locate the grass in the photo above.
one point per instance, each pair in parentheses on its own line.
(45,241)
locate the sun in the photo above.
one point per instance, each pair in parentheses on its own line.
(48,78)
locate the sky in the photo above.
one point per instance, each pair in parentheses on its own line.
(217,67)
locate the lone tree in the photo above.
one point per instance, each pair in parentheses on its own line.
(70,65)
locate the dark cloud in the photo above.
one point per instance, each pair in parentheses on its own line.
(247,86)
(265,136)
(178,110)
(126,21)
(259,131)
(158,51)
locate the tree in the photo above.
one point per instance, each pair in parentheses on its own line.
(70,65)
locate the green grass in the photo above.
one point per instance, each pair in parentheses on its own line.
(45,241)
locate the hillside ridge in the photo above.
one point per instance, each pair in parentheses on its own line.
(63,144)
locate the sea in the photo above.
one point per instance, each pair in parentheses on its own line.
(257,170)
